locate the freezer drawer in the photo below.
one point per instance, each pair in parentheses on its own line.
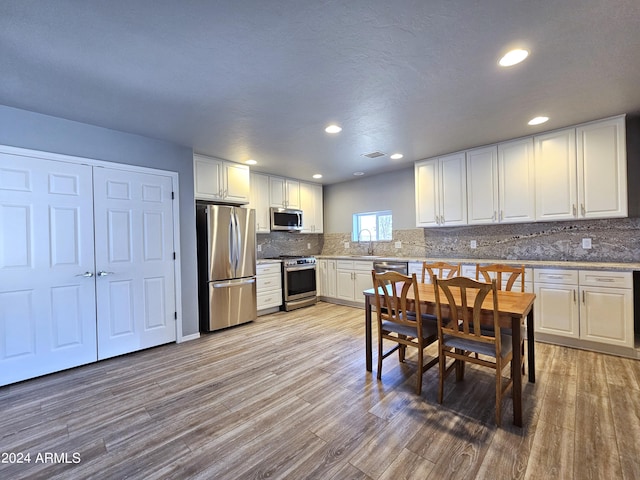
(231,303)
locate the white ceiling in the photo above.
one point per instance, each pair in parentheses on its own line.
(261,79)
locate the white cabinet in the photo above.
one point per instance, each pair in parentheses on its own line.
(327,278)
(602,169)
(219,180)
(482,185)
(311,206)
(586,305)
(284,192)
(441,191)
(516,181)
(581,172)
(352,278)
(259,201)
(268,286)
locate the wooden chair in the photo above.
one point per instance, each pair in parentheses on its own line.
(460,335)
(501,272)
(441,269)
(397,320)
(510,275)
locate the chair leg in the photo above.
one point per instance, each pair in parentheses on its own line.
(379,356)
(402,350)
(419,372)
(499,391)
(442,365)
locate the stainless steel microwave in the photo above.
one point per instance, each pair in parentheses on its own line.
(286,219)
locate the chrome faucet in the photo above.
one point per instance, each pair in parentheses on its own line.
(370,249)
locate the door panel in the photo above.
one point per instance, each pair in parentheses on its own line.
(134,259)
(47,306)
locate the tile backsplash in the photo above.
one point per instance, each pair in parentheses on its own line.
(612,240)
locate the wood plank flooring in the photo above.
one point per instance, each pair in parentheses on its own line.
(287,396)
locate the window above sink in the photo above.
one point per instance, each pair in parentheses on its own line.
(372,226)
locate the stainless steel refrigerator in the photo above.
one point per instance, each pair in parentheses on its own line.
(226,265)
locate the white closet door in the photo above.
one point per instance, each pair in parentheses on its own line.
(47,304)
(135,281)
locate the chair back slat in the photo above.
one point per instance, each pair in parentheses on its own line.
(501,271)
(441,269)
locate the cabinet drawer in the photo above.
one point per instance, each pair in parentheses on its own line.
(595,278)
(363,266)
(268,269)
(269,299)
(265,283)
(344,264)
(565,277)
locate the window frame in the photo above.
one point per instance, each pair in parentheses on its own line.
(357,226)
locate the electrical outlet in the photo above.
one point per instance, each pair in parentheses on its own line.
(346,245)
(308,246)
(398,244)
(474,244)
(259,247)
(586,243)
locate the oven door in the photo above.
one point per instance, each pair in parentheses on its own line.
(299,282)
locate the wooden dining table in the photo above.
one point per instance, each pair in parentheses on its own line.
(514,309)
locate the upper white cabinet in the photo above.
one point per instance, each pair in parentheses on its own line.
(602,169)
(556,187)
(482,185)
(219,180)
(441,191)
(259,201)
(311,206)
(516,182)
(284,192)
(582,172)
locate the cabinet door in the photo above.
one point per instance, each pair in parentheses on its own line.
(362,281)
(292,192)
(236,182)
(427,193)
(555,165)
(344,284)
(277,194)
(606,315)
(482,185)
(516,181)
(556,310)
(602,169)
(208,175)
(331,290)
(311,206)
(453,190)
(259,201)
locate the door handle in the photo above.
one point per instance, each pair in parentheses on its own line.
(102,273)
(85,274)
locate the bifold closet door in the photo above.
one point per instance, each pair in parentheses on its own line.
(47,289)
(135,281)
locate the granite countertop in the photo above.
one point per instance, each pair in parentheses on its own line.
(527,263)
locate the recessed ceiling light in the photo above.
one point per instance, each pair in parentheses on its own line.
(538,120)
(358,174)
(333,129)
(513,57)
(317,175)
(396,156)
(251,161)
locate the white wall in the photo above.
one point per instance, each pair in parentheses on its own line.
(20,128)
(387,191)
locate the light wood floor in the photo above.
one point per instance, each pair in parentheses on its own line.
(288,397)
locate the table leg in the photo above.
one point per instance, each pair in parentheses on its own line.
(531,347)
(367,331)
(516,363)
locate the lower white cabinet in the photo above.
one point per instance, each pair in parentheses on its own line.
(268,286)
(589,305)
(352,278)
(326,275)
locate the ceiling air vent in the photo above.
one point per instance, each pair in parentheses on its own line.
(373,154)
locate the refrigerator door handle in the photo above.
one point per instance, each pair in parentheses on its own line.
(232,243)
(233,283)
(238,240)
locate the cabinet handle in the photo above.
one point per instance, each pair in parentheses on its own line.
(575,210)
(583,297)
(601,279)
(554,276)
(493,219)
(574,296)
(501,215)
(582,209)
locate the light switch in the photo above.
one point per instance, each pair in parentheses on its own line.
(259,247)
(398,244)
(346,245)
(586,243)
(308,246)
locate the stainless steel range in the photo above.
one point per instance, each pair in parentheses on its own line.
(299,282)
